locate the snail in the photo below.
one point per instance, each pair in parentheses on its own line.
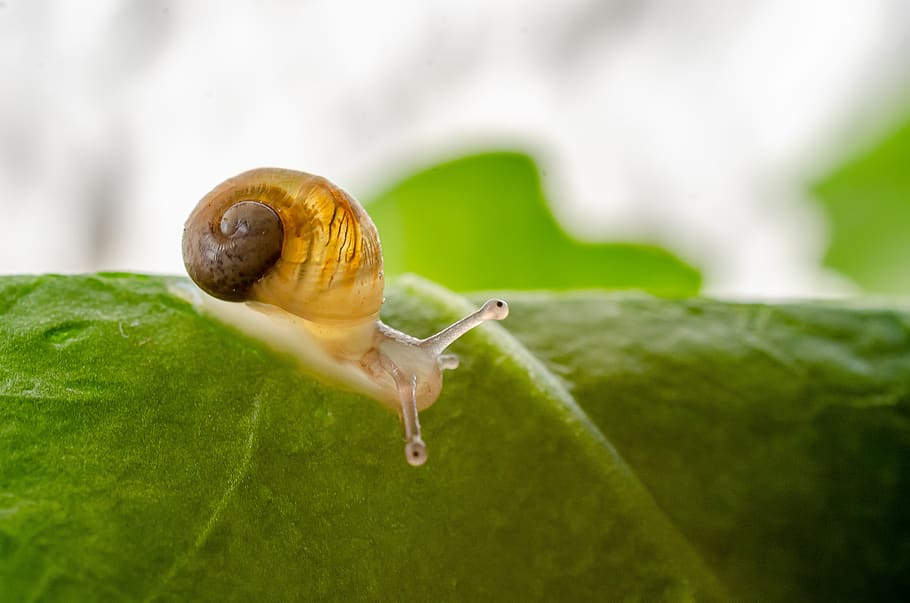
(306,256)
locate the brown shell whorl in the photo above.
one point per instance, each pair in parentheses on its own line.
(227,256)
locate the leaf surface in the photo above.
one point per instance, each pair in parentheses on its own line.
(150,453)
(775,437)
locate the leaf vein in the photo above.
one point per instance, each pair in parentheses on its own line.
(239,473)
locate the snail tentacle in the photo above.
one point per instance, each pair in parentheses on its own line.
(448,362)
(415,450)
(494,309)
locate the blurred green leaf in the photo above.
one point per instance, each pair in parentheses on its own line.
(481,222)
(149,453)
(868,202)
(777,438)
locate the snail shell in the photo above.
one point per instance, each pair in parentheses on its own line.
(290,239)
(308,251)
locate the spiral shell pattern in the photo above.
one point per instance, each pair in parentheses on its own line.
(290,239)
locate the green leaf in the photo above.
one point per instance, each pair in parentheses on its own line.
(481,222)
(150,453)
(775,437)
(868,203)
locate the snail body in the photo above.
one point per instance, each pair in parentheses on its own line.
(306,257)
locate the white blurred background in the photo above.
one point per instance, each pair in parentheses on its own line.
(696,125)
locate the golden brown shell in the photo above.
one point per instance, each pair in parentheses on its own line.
(290,239)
